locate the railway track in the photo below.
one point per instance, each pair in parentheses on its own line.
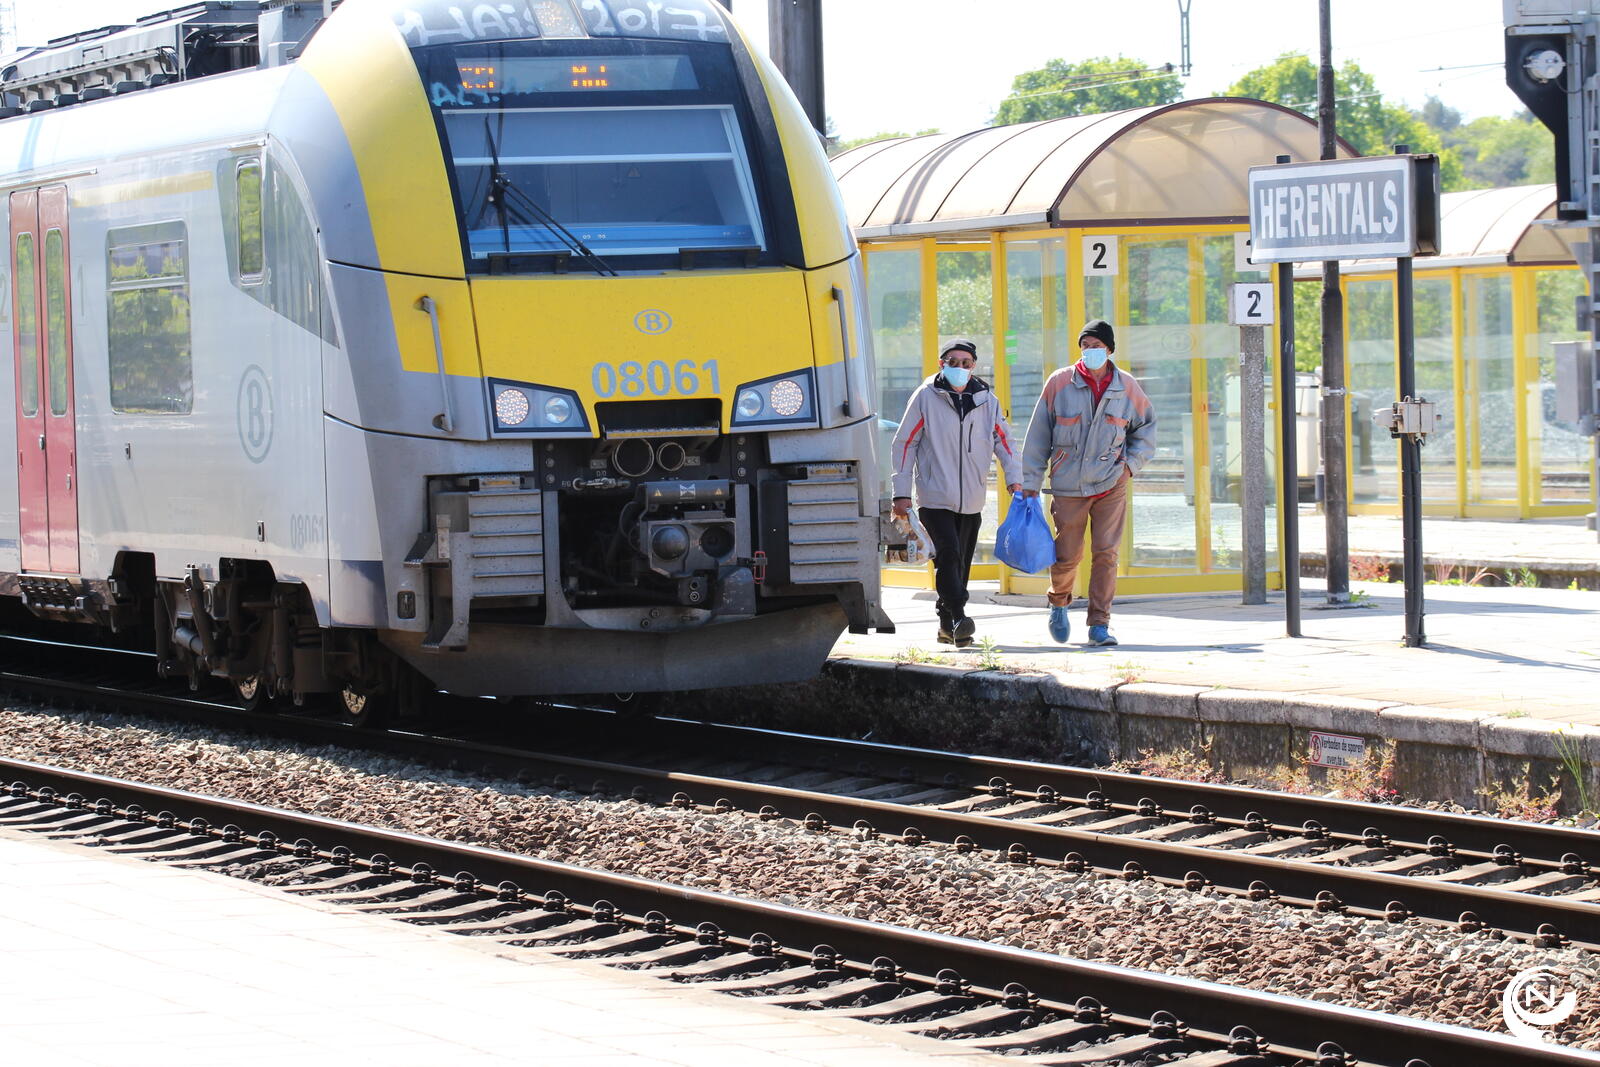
(1531,881)
(977,996)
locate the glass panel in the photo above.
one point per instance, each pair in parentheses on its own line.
(1038,331)
(894,305)
(252,260)
(624,181)
(55,315)
(1564,455)
(966,299)
(1488,415)
(148,320)
(1156,347)
(27,324)
(296,280)
(1370,376)
(1435,363)
(1219,347)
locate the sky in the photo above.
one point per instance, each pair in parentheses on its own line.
(906,65)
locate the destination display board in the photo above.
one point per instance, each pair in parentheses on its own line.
(1368,208)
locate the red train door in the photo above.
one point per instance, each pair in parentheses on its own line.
(42,335)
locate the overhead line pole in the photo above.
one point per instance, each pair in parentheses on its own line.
(794,34)
(1335,471)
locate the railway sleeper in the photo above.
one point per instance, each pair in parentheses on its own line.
(983,1020)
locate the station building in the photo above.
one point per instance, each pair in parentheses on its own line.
(1015,235)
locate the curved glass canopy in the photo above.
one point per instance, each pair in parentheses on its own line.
(1166,165)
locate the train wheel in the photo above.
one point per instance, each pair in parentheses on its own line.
(252,693)
(363,710)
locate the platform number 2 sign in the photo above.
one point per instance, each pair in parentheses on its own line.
(1252,304)
(1099,255)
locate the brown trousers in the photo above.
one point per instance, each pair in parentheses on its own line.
(1103,516)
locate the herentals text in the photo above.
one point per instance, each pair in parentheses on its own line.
(1336,209)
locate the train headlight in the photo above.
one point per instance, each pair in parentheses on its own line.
(525,408)
(511,407)
(784,400)
(750,404)
(787,398)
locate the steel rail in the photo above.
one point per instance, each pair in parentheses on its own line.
(1346,819)
(1289,1026)
(1547,919)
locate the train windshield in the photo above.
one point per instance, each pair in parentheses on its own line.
(612,150)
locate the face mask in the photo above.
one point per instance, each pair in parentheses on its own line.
(1094,358)
(956,376)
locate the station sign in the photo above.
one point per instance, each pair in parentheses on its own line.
(1368,208)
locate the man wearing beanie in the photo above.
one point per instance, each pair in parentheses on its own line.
(1092,431)
(951,429)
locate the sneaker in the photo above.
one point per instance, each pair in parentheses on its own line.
(1101,635)
(944,637)
(963,630)
(1060,625)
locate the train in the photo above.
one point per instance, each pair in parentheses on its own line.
(510,349)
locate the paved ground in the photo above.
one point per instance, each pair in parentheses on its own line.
(114,961)
(1501,650)
(1564,543)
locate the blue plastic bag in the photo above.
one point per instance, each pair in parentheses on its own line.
(1024,542)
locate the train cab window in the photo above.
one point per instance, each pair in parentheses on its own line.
(624,182)
(55,319)
(252,254)
(644,152)
(147,282)
(27,325)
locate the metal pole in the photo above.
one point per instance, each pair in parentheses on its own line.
(1410,454)
(1253,460)
(795,45)
(1289,479)
(1335,471)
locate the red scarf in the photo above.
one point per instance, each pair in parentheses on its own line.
(1097,386)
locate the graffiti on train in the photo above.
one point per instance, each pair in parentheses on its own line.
(441,22)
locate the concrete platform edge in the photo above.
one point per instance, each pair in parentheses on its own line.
(1427,753)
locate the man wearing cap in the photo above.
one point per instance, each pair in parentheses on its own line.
(1093,428)
(952,426)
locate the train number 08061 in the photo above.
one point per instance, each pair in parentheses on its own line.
(655,378)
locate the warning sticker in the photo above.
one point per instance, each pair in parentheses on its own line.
(1337,750)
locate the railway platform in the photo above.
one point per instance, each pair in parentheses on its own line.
(1505,695)
(114,960)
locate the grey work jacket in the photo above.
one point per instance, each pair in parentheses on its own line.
(945,453)
(1081,445)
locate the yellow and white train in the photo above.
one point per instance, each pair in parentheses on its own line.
(518,346)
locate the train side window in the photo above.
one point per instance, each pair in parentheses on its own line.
(55,319)
(148,334)
(27,325)
(252,248)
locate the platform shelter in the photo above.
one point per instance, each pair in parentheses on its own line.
(1488,307)
(1015,235)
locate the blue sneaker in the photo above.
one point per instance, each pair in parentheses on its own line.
(1101,635)
(1060,625)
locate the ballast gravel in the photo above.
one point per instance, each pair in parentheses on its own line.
(1404,969)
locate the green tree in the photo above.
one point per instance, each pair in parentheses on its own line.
(1362,117)
(836,147)
(1088,87)
(1494,151)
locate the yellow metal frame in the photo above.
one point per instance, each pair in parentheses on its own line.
(1526,501)
(1131,580)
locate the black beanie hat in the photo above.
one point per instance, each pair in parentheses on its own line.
(959,343)
(1099,328)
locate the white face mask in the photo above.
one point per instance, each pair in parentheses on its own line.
(956,376)
(1094,358)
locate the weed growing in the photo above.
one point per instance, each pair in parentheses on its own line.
(1184,764)
(1569,750)
(1369,569)
(989,654)
(1522,804)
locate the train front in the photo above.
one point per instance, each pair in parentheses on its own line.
(670,482)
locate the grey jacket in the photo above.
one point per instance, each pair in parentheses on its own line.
(1083,444)
(945,450)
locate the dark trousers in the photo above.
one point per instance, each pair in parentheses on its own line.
(955,539)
